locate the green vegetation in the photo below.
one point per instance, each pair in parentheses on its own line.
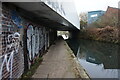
(33,68)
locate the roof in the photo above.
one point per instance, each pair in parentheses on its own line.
(96,11)
(113,7)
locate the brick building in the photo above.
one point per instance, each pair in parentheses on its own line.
(111,11)
(112,16)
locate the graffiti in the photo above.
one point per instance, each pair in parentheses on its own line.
(16,19)
(34,41)
(8,63)
(37,39)
(45,40)
(12,43)
(29,40)
(33,44)
(12,57)
(40,38)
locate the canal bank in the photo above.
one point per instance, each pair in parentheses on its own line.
(99,59)
(60,62)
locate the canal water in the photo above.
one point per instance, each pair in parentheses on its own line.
(100,60)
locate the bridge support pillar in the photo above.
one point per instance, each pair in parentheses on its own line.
(74,34)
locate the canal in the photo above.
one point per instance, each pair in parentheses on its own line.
(99,59)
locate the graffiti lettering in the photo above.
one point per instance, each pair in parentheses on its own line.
(8,63)
(36,39)
(32,42)
(12,43)
(29,40)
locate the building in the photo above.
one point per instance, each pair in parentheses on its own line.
(111,11)
(94,15)
(111,17)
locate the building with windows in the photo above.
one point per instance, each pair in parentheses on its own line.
(94,15)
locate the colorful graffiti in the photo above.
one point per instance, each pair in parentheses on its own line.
(13,51)
(16,19)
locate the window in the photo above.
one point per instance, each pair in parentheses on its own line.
(95,15)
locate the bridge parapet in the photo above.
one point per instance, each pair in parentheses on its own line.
(66,9)
(61,12)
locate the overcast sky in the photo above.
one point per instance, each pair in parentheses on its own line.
(92,5)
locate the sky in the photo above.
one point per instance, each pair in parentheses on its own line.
(92,5)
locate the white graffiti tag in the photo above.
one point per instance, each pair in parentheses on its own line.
(30,34)
(12,44)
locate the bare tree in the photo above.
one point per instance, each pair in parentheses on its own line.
(83,20)
(83,16)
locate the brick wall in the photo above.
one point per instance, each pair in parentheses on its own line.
(11,51)
(13,41)
(112,11)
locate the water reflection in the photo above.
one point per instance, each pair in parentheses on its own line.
(100,60)
(74,45)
